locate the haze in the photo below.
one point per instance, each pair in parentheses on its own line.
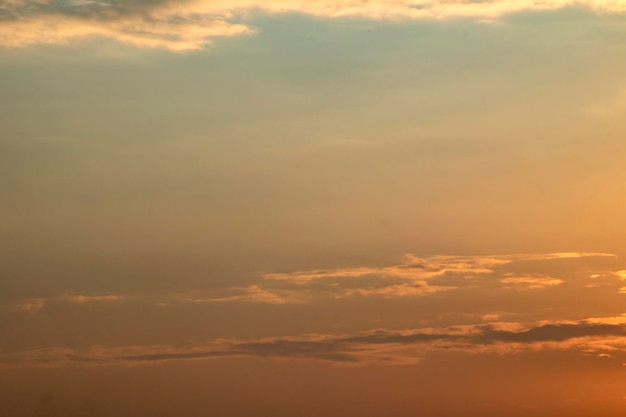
(305,208)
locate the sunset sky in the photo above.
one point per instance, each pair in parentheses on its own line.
(308,208)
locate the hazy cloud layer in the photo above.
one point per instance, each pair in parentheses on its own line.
(191,24)
(597,336)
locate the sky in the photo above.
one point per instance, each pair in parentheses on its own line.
(376,208)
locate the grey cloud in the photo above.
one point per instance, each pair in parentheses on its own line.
(382,345)
(549,333)
(153,357)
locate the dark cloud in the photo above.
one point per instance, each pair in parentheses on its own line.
(376,346)
(549,333)
(173,356)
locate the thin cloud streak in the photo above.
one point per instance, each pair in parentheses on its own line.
(34,305)
(429,267)
(31,305)
(250,294)
(597,336)
(531,282)
(191,24)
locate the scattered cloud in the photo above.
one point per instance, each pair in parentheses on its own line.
(416,268)
(191,24)
(420,276)
(415,277)
(602,337)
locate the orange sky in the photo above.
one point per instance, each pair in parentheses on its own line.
(381,208)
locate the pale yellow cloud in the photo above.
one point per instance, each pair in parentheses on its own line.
(191,24)
(250,294)
(395,291)
(185,35)
(531,282)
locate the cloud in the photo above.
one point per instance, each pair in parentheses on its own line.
(399,290)
(600,336)
(82,299)
(152,24)
(421,276)
(191,24)
(415,277)
(250,294)
(31,305)
(34,305)
(531,282)
(416,268)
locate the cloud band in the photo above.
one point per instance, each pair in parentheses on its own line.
(191,24)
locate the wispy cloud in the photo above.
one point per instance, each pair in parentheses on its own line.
(191,24)
(395,291)
(31,305)
(531,282)
(82,299)
(249,294)
(416,268)
(415,277)
(420,276)
(597,336)
(34,305)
